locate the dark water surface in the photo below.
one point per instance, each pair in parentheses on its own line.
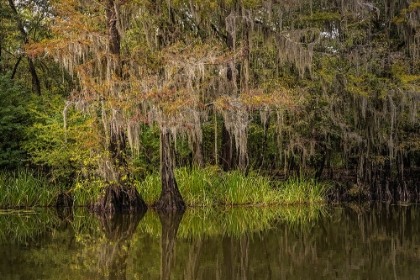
(344,242)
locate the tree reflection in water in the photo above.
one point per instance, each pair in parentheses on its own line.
(170,223)
(114,251)
(352,242)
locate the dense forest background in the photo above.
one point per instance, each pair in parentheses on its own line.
(116,89)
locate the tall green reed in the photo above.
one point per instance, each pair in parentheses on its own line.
(150,188)
(86,192)
(237,189)
(302,190)
(210,186)
(24,188)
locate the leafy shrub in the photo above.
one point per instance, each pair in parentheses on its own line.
(64,151)
(14,118)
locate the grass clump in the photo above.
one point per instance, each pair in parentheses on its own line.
(86,192)
(237,189)
(209,186)
(24,188)
(301,190)
(150,188)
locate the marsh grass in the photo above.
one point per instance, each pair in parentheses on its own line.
(150,188)
(24,188)
(302,191)
(254,189)
(210,186)
(199,187)
(86,192)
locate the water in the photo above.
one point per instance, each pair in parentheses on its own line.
(343,242)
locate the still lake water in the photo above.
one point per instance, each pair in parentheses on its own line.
(341,242)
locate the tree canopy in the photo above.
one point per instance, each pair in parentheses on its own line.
(308,87)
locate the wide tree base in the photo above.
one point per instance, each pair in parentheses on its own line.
(119,199)
(170,202)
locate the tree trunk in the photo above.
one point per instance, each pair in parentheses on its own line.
(244,76)
(227,156)
(227,150)
(260,159)
(245,53)
(111,25)
(116,198)
(2,67)
(170,198)
(198,158)
(320,167)
(117,142)
(36,85)
(117,147)
(12,76)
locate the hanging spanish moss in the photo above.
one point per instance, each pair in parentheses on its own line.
(333,84)
(236,119)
